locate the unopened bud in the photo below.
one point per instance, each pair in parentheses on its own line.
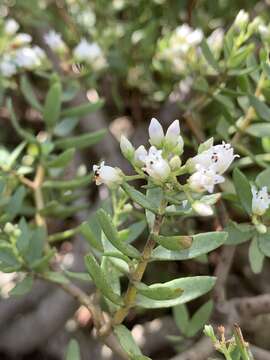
(127,148)
(8,228)
(202,209)
(175,163)
(156,133)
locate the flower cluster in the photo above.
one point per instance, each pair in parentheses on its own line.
(209,166)
(55,42)
(84,51)
(181,47)
(19,53)
(161,164)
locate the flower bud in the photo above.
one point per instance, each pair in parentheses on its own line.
(175,163)
(8,228)
(202,209)
(127,148)
(206,145)
(208,331)
(241,19)
(261,228)
(156,133)
(140,156)
(11,27)
(17,232)
(173,134)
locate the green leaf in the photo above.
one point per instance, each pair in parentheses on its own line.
(264,243)
(23,240)
(86,231)
(64,127)
(111,233)
(174,243)
(200,318)
(243,190)
(205,145)
(68,184)
(239,56)
(22,287)
(139,198)
(158,291)
(126,341)
(78,275)
(61,160)
(263,179)
(81,141)
(256,257)
(181,317)
(260,107)
(15,154)
(238,233)
(36,245)
(15,202)
(209,57)
(133,232)
(259,130)
(154,196)
(201,244)
(29,93)
(100,280)
(20,131)
(81,110)
(52,106)
(73,351)
(7,257)
(266,69)
(192,287)
(56,277)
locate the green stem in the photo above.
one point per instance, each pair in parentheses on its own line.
(62,235)
(134,177)
(139,271)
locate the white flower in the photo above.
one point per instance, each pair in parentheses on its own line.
(187,36)
(202,209)
(11,27)
(173,133)
(54,41)
(215,40)
(241,19)
(204,179)
(156,133)
(126,148)
(140,155)
(155,166)
(260,200)
(218,157)
(107,175)
(39,52)
(7,66)
(29,58)
(22,39)
(86,51)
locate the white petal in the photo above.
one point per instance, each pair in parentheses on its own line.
(156,133)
